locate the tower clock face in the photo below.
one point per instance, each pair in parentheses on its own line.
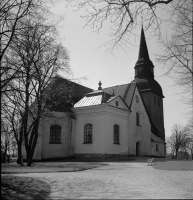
(140,69)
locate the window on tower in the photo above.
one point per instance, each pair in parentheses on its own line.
(154,100)
(158,103)
(137,119)
(137,99)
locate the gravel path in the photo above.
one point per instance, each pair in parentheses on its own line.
(119,180)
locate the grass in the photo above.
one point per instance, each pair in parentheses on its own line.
(174,165)
(48,167)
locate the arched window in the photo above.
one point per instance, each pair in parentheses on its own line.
(154,100)
(116,134)
(137,119)
(55,134)
(137,99)
(88,133)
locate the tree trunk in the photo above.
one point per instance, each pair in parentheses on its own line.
(34,142)
(176,154)
(19,153)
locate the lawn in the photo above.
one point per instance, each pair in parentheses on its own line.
(48,167)
(174,165)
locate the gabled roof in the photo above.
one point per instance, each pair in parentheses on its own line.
(89,101)
(155,138)
(104,96)
(125,91)
(119,90)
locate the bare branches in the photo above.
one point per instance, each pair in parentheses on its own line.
(176,54)
(181,141)
(124,16)
(11,12)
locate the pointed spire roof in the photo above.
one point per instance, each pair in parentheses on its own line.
(144,73)
(143,51)
(144,66)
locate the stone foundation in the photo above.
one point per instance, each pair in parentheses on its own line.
(104,156)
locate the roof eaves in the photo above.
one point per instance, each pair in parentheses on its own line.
(153,127)
(125,103)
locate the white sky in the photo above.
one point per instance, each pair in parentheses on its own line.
(88,58)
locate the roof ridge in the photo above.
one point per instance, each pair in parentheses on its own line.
(115,86)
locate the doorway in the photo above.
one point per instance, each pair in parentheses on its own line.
(138,148)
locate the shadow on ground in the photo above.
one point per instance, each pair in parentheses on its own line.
(49,167)
(22,188)
(123,159)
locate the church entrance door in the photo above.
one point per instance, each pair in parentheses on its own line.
(138,148)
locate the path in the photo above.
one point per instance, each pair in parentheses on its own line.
(119,180)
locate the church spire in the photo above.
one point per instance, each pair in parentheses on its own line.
(144,66)
(143,51)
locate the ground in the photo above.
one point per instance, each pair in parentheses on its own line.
(127,179)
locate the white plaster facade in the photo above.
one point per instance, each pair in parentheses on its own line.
(134,140)
(103,118)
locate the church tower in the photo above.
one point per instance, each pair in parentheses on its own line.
(150,89)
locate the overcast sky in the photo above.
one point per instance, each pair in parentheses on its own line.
(88,57)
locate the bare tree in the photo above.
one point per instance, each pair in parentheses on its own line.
(12,13)
(7,141)
(124,16)
(180,143)
(38,57)
(176,138)
(176,53)
(189,137)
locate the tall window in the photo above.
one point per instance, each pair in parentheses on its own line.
(55,134)
(157,147)
(137,99)
(116,134)
(137,119)
(88,133)
(154,100)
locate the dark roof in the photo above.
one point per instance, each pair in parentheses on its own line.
(143,61)
(144,75)
(145,85)
(64,93)
(119,90)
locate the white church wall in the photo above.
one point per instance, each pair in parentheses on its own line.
(89,115)
(159,151)
(116,116)
(142,132)
(103,118)
(55,150)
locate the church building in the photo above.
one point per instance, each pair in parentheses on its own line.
(123,120)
